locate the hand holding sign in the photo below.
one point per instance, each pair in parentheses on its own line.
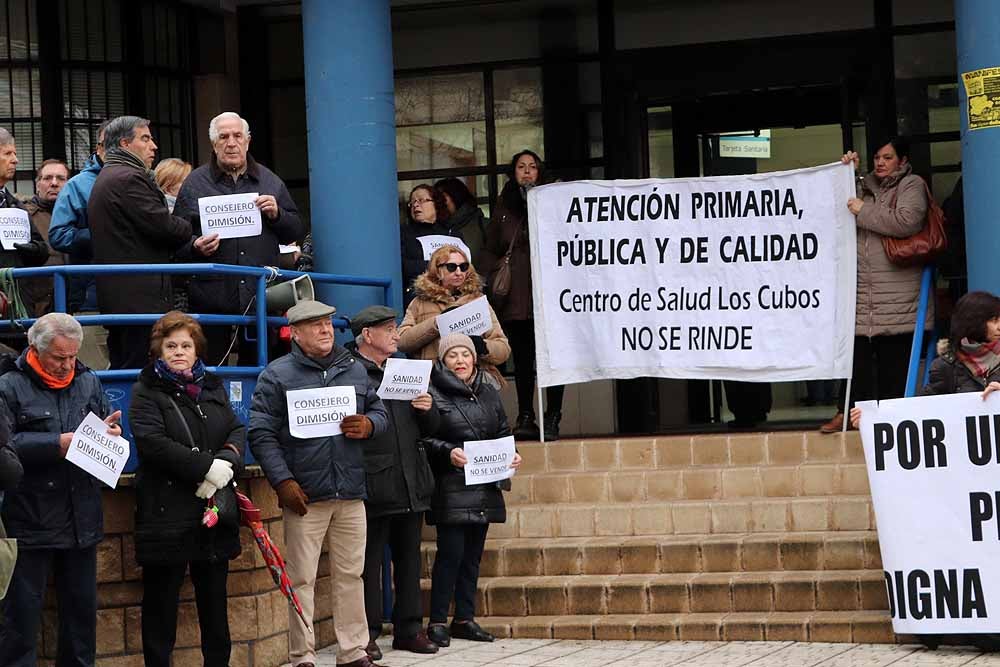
(15,228)
(95,449)
(230,216)
(315,413)
(268,205)
(404,379)
(489,460)
(472,319)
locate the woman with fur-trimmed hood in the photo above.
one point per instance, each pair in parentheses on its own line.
(449,281)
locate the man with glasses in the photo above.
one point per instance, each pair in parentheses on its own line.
(400,484)
(50,178)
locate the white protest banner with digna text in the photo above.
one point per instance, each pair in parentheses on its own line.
(99,453)
(472,319)
(933,465)
(488,460)
(404,379)
(230,216)
(728,277)
(15,227)
(317,413)
(432,242)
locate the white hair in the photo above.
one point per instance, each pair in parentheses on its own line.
(47,327)
(213,126)
(5,137)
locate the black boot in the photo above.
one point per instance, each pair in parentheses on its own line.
(526,428)
(551,426)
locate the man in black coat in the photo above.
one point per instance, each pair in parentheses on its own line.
(317,470)
(233,171)
(130,224)
(55,513)
(400,485)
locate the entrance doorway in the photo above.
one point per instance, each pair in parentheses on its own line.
(735,135)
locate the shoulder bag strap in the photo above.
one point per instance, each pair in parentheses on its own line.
(187,429)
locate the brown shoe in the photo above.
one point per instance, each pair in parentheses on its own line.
(373,651)
(835,425)
(418,644)
(360,662)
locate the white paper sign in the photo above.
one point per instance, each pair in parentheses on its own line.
(933,466)
(489,460)
(287,249)
(472,319)
(404,379)
(728,277)
(432,242)
(317,413)
(230,216)
(100,454)
(15,227)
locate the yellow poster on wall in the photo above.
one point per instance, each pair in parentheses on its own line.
(982,87)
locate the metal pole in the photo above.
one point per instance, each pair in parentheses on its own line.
(59,292)
(261,321)
(541,414)
(847,406)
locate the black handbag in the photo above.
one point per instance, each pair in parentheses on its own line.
(225,498)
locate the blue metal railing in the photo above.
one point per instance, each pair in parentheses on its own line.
(926,283)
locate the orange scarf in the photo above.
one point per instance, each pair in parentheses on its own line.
(51,381)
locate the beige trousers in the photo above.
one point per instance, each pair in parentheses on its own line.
(343,524)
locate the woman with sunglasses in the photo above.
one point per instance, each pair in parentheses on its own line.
(448,282)
(426,212)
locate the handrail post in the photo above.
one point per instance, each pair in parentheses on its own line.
(261,320)
(59,292)
(918,332)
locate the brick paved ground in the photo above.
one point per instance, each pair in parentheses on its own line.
(575,653)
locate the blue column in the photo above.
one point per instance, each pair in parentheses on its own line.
(977,24)
(350,122)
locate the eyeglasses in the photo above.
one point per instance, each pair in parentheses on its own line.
(419,202)
(453,267)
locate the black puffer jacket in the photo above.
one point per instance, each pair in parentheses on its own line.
(469,223)
(57,505)
(468,412)
(326,467)
(167,513)
(397,472)
(950,376)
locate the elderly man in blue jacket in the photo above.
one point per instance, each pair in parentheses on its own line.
(311,411)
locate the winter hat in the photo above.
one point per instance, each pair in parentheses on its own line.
(455,340)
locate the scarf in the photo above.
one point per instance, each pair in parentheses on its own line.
(127,158)
(980,358)
(190,381)
(51,381)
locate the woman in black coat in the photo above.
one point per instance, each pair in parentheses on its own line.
(426,212)
(470,410)
(190,445)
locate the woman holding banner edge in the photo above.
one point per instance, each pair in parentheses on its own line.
(470,410)
(449,281)
(891,202)
(968,361)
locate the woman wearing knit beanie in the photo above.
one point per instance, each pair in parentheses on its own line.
(470,410)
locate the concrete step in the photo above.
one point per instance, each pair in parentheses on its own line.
(815,626)
(829,590)
(845,550)
(639,454)
(711,482)
(697,517)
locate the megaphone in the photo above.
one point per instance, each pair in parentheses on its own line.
(284,295)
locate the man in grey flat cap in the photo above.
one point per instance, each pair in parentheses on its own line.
(400,485)
(311,410)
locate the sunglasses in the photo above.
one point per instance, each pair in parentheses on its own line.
(453,267)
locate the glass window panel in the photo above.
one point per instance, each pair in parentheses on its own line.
(288,126)
(98,95)
(441,146)
(113,24)
(172,45)
(659,121)
(4,33)
(590,83)
(943,183)
(18,29)
(95,29)
(26,100)
(5,98)
(925,55)
(595,134)
(300,195)
(451,98)
(946,153)
(286,58)
(517,97)
(909,12)
(78,145)
(116,95)
(164,109)
(74,31)
(149,41)
(942,101)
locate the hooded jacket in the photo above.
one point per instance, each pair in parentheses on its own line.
(69,231)
(468,412)
(57,505)
(397,473)
(330,467)
(888,295)
(168,515)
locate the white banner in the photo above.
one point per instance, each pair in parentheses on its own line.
(15,227)
(230,216)
(404,379)
(472,319)
(932,466)
(94,450)
(317,413)
(488,460)
(432,242)
(729,277)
